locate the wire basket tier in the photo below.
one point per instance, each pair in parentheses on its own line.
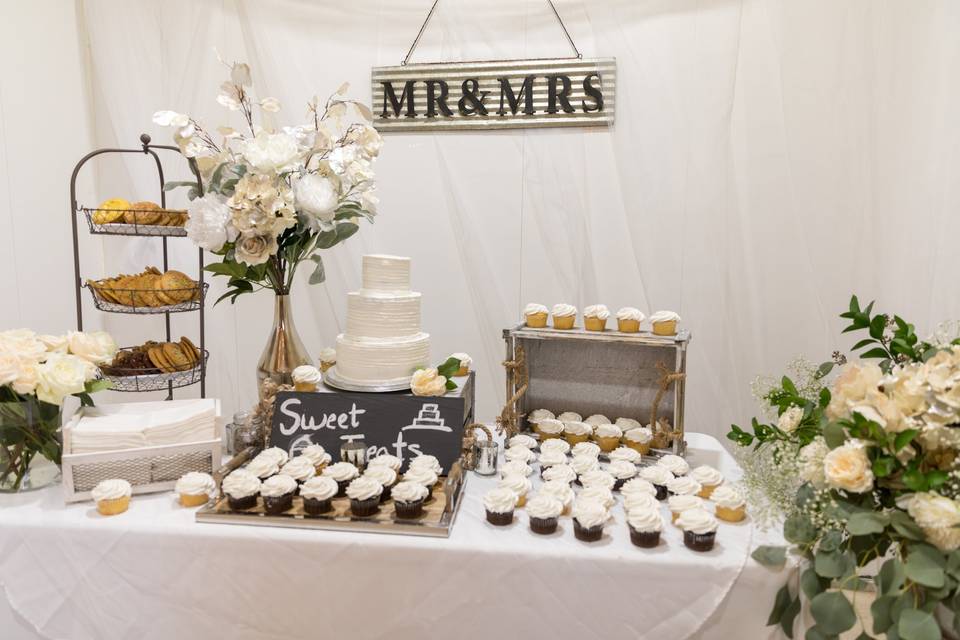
(142,300)
(143,222)
(136,380)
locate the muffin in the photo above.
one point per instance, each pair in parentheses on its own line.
(515,467)
(598,477)
(607,437)
(564,316)
(645,525)
(680,503)
(556,445)
(328,358)
(683,486)
(627,423)
(343,473)
(626,454)
(317,494)
(263,467)
(583,464)
(519,485)
(548,428)
(596,419)
(589,516)
(674,464)
(387,460)
(408,499)
(277,493)
(709,479)
(306,377)
(561,491)
(551,458)
(629,319)
(598,493)
(500,503)
(364,493)
(576,432)
(300,468)
(658,477)
(638,439)
(730,505)
(640,501)
(317,455)
(523,440)
(421,475)
(536,315)
(519,453)
(595,317)
(241,488)
(427,461)
(621,470)
(699,529)
(543,510)
(112,496)
(570,416)
(386,476)
(585,449)
(195,488)
(664,323)
(559,473)
(638,486)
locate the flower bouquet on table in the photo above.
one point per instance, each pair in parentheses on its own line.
(862,467)
(37,372)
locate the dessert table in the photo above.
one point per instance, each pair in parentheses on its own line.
(153,572)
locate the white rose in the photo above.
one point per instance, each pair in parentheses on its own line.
(96,347)
(10,366)
(254,248)
(208,222)
(847,467)
(27,379)
(851,387)
(24,344)
(317,196)
(341,158)
(271,152)
(811,462)
(428,382)
(57,344)
(62,375)
(790,419)
(938,517)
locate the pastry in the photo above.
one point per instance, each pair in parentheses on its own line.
(709,479)
(564,316)
(548,428)
(607,437)
(570,416)
(465,362)
(263,467)
(599,478)
(585,449)
(621,470)
(664,323)
(300,468)
(110,211)
(522,440)
(658,477)
(317,455)
(277,493)
(582,464)
(638,439)
(555,444)
(306,377)
(595,317)
(143,212)
(387,459)
(627,454)
(177,286)
(195,488)
(640,501)
(276,454)
(680,503)
(577,432)
(535,315)
(500,503)
(427,461)
(424,475)
(699,529)
(589,516)
(543,510)
(683,486)
(638,486)
(730,505)
(112,496)
(561,491)
(343,473)
(627,423)
(629,319)
(386,476)
(364,493)
(515,466)
(519,453)
(317,494)
(408,499)
(551,458)
(645,525)
(520,485)
(328,358)
(539,414)
(595,419)
(241,488)
(599,493)
(674,464)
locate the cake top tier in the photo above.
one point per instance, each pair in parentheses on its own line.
(386,273)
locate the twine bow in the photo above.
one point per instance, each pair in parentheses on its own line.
(470,439)
(508,420)
(663,434)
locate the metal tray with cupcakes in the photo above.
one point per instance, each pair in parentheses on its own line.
(155,366)
(117,216)
(150,291)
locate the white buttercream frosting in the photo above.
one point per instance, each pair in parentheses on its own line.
(341,471)
(316,454)
(681,503)
(382,272)
(307,374)
(621,469)
(376,314)
(328,354)
(630,313)
(697,521)
(382,474)
(519,453)
(590,513)
(599,493)
(381,360)
(727,497)
(597,477)
(559,490)
(544,505)
(626,423)
(263,467)
(424,475)
(674,464)
(578,428)
(319,488)
(584,464)
(555,444)
(570,416)
(465,360)
(563,310)
(640,435)
(599,311)
(551,426)
(408,492)
(522,440)
(656,474)
(195,483)
(240,484)
(364,488)
(278,485)
(626,454)
(595,419)
(707,475)
(518,484)
(607,431)
(427,461)
(684,485)
(500,500)
(540,414)
(386,460)
(299,468)
(645,519)
(638,486)
(641,501)
(515,466)
(552,457)
(665,316)
(586,449)
(560,473)
(534,308)
(111,489)
(276,454)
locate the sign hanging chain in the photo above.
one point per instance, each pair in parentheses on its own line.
(423,28)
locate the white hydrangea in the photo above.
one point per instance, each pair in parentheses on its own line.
(811,462)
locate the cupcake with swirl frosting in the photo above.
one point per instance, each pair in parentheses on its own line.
(387,460)
(699,529)
(543,510)
(627,423)
(276,454)
(595,419)
(621,470)
(674,464)
(709,479)
(645,526)
(306,377)
(607,437)
(638,486)
(586,449)
(564,316)
(576,432)
(422,475)
(519,453)
(595,317)
(317,494)
(548,428)
(589,516)
(658,477)
(364,493)
(570,416)
(408,499)
(519,485)
(638,439)
(550,459)
(584,464)
(516,467)
(343,473)
(195,488)
(640,501)
(317,455)
(683,486)
(263,467)
(277,493)
(112,496)
(598,477)
(241,488)
(561,491)
(664,323)
(425,460)
(629,319)
(599,493)
(626,454)
(730,505)
(499,504)
(680,503)
(523,440)
(559,473)
(386,476)
(535,315)
(540,414)
(556,445)
(299,468)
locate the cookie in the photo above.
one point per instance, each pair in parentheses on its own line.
(147,283)
(178,286)
(143,212)
(110,211)
(194,351)
(159,360)
(175,356)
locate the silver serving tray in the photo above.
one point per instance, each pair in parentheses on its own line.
(332,378)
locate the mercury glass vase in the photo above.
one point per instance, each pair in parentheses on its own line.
(284,351)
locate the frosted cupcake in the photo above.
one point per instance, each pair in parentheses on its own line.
(195,488)
(640,501)
(519,453)
(387,460)
(328,358)
(277,493)
(318,456)
(543,510)
(275,454)
(570,416)
(638,486)
(627,423)
(306,378)
(408,499)
(674,464)
(427,461)
(317,495)
(515,467)
(564,316)
(585,449)
(522,440)
(599,493)
(626,454)
(584,464)
(709,479)
(559,473)
(263,467)
(423,475)
(555,444)
(730,505)
(664,323)
(300,468)
(364,493)
(621,470)
(112,496)
(629,319)
(597,418)
(683,486)
(561,491)
(645,525)
(595,317)
(465,362)
(638,439)
(598,478)
(536,315)
(548,428)
(551,458)
(658,477)
(500,503)
(699,529)
(386,476)
(577,432)
(589,516)
(343,473)
(680,503)
(241,488)
(519,485)
(540,414)
(607,437)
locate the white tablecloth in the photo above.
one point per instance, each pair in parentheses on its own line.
(154,572)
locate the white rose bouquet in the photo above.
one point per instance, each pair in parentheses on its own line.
(272,198)
(37,372)
(865,472)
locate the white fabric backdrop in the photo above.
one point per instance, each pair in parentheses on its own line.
(769,158)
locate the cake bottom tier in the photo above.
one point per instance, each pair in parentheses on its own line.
(383,360)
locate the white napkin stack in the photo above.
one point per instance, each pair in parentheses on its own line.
(143,424)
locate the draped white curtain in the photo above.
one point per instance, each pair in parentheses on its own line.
(769,158)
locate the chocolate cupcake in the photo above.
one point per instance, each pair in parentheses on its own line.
(408,499)
(317,494)
(645,525)
(621,470)
(277,493)
(699,529)
(500,503)
(683,486)
(386,476)
(343,473)
(589,517)
(364,494)
(241,488)
(658,477)
(543,511)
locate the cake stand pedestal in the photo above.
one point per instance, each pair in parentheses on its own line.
(332,379)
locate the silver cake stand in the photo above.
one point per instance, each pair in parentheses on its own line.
(332,378)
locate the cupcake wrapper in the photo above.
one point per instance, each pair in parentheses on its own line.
(585,534)
(364,508)
(276,505)
(408,510)
(499,519)
(645,539)
(699,541)
(317,507)
(543,526)
(618,483)
(241,504)
(342,488)
(386,495)
(574,439)
(662,492)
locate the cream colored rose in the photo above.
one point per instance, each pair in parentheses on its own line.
(96,347)
(254,249)
(54,344)
(847,467)
(790,419)
(10,366)
(24,344)
(27,379)
(428,382)
(811,462)
(851,387)
(62,375)
(938,517)
(906,388)
(879,408)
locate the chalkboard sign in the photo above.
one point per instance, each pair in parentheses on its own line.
(401,424)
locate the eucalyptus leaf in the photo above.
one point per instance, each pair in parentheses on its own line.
(810,583)
(833,564)
(833,612)
(891,577)
(834,434)
(925,567)
(918,625)
(905,526)
(880,611)
(799,530)
(770,556)
(780,604)
(789,616)
(319,274)
(866,523)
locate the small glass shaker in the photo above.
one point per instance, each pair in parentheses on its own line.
(241,421)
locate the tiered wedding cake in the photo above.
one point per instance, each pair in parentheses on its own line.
(383,343)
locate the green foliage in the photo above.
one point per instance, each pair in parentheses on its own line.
(770,556)
(448,369)
(833,612)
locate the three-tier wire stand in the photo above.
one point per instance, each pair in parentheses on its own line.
(132,301)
